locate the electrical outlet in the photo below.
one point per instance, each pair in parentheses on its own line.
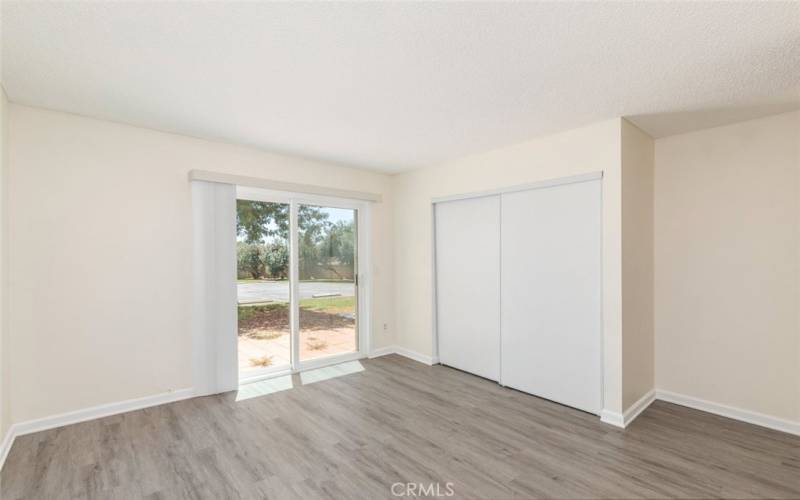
(385,326)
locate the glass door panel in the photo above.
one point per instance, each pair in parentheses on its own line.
(327,284)
(263,288)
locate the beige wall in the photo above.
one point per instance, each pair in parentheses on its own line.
(100,285)
(638,373)
(727,265)
(701,255)
(5,415)
(588,149)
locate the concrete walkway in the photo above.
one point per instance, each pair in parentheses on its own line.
(279,290)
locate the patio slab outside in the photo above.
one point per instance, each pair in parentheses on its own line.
(313,344)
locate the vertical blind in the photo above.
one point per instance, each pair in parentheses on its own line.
(214,340)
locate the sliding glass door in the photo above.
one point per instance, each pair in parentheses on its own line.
(263,287)
(297,282)
(328,295)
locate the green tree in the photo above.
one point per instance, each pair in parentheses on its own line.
(313,225)
(339,244)
(250,258)
(277,260)
(258,220)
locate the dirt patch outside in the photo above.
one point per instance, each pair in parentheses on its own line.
(264,334)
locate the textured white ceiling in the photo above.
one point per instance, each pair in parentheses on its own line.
(393,86)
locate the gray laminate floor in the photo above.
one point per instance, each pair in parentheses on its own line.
(399,421)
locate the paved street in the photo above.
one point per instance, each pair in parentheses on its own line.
(279,290)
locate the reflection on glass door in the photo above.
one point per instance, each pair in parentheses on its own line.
(263,288)
(327,284)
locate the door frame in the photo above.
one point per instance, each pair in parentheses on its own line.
(362,272)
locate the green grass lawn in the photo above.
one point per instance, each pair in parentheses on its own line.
(329,305)
(326,281)
(244,281)
(246,312)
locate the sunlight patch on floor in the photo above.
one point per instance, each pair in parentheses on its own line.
(264,387)
(330,372)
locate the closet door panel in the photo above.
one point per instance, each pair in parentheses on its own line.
(551,293)
(468,284)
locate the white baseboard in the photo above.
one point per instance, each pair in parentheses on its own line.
(612,418)
(74,417)
(623,420)
(751,417)
(5,445)
(383,351)
(402,351)
(776,423)
(422,358)
(638,407)
(768,421)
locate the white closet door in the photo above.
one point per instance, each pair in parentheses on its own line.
(468,284)
(551,293)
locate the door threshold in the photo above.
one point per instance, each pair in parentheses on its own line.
(312,364)
(265,376)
